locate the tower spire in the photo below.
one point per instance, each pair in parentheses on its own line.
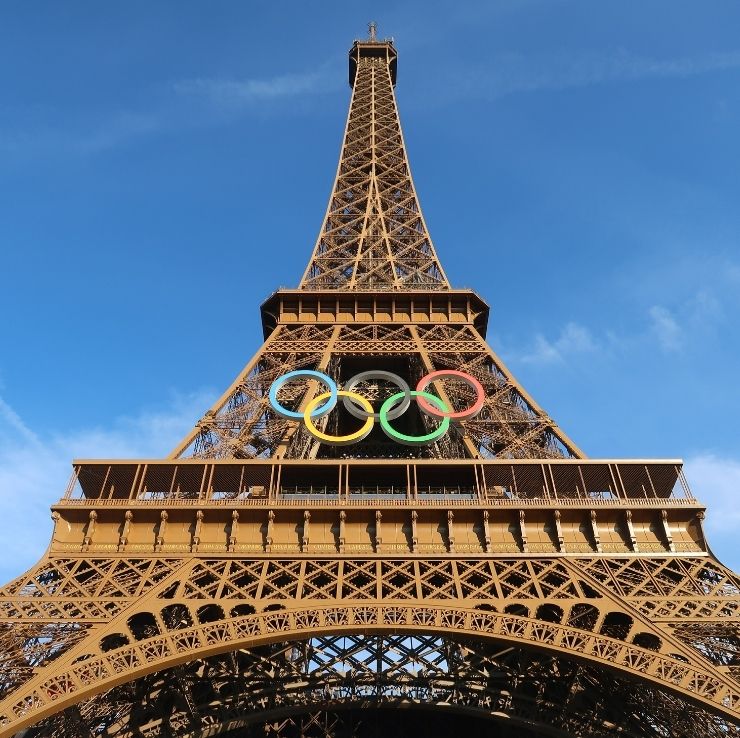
(374,236)
(372,28)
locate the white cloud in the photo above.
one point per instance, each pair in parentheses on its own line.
(632,67)
(94,134)
(95,131)
(705,306)
(715,481)
(237,93)
(12,420)
(694,318)
(573,339)
(117,129)
(34,470)
(514,73)
(665,328)
(733,273)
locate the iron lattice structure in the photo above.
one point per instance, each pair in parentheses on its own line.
(259,582)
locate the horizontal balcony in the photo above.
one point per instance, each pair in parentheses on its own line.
(379,483)
(304,307)
(373,507)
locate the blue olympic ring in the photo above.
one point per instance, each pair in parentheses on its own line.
(320,411)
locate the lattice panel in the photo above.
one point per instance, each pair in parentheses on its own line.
(511,424)
(372,579)
(81,589)
(674,588)
(242,424)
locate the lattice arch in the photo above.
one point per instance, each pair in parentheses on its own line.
(92,674)
(301,686)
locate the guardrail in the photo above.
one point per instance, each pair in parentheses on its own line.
(364,501)
(459,481)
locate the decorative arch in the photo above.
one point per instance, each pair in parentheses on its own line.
(331,686)
(71,683)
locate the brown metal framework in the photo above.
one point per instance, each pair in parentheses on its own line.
(259,582)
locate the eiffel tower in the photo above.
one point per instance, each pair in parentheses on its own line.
(328,545)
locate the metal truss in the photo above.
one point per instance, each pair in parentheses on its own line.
(114,620)
(241,424)
(260,583)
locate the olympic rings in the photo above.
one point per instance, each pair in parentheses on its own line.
(392,407)
(291,414)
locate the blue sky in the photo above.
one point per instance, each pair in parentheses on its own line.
(164,166)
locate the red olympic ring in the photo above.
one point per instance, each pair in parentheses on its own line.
(472,382)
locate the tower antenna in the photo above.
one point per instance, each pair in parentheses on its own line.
(372,28)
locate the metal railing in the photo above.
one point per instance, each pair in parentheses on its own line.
(383,501)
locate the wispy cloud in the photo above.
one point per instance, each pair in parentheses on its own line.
(96,134)
(515,73)
(244,92)
(13,421)
(665,328)
(621,65)
(120,127)
(688,321)
(573,339)
(715,480)
(682,326)
(34,469)
(705,306)
(188,103)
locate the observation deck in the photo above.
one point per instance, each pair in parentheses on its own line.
(358,307)
(373,48)
(401,507)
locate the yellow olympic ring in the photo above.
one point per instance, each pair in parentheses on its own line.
(339,440)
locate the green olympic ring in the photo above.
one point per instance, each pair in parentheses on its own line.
(391,432)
